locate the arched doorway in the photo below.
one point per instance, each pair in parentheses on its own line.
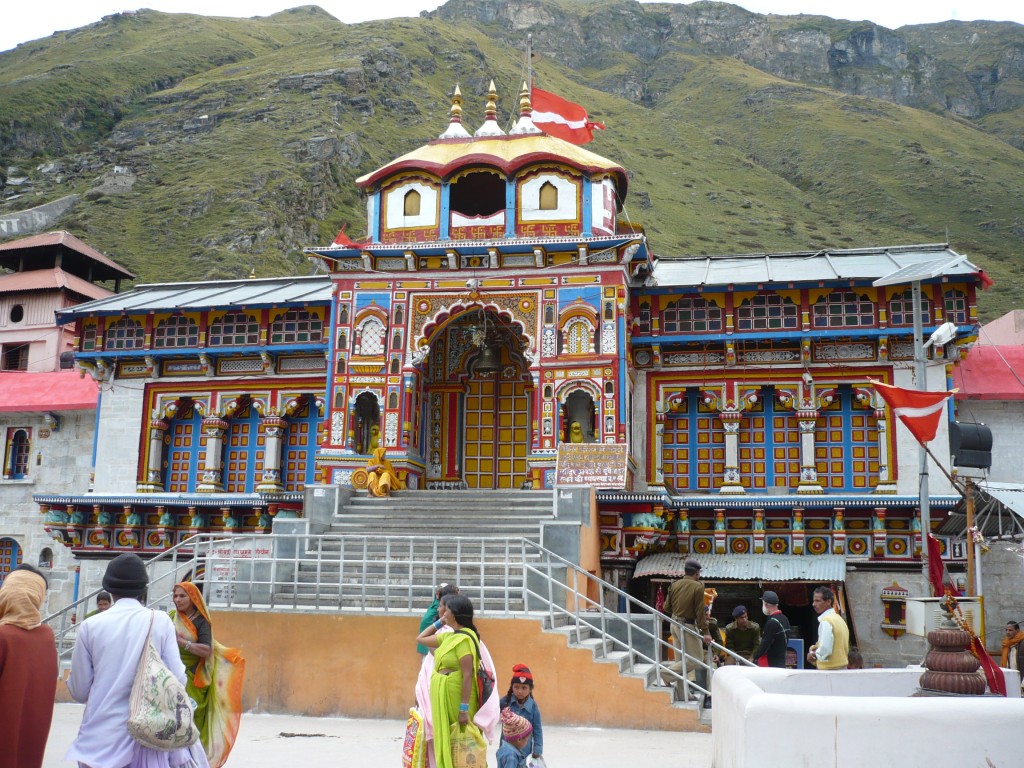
(496,419)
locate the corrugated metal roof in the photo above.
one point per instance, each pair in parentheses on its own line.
(67,240)
(802,267)
(196,296)
(819,568)
(55,278)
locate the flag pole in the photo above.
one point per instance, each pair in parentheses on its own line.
(529,64)
(922,454)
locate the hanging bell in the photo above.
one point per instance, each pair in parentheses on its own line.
(489,360)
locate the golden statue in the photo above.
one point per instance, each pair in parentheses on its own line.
(575,432)
(379,477)
(374,438)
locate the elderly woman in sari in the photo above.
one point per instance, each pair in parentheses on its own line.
(214,673)
(453,691)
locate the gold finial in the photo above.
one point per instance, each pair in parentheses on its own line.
(457,105)
(491,113)
(524,101)
(252,274)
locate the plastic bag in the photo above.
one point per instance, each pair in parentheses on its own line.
(469,747)
(413,749)
(535,762)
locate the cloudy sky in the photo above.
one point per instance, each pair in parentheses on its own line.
(25,20)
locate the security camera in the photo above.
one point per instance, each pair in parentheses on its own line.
(808,379)
(942,335)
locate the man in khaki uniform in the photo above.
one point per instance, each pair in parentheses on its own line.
(685,604)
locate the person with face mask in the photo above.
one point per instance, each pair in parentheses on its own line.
(774,637)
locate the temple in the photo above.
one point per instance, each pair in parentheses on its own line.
(501,306)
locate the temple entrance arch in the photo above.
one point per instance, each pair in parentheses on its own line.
(478,388)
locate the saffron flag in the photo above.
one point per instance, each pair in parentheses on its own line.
(920,411)
(344,240)
(562,119)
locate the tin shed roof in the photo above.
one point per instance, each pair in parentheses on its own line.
(819,568)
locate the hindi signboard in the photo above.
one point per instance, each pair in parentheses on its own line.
(599,465)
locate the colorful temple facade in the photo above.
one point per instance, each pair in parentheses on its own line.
(497,309)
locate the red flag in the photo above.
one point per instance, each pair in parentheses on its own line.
(920,411)
(343,239)
(562,119)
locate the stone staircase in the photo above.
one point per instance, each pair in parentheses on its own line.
(389,553)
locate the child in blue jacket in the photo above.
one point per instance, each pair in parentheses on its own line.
(520,700)
(516,733)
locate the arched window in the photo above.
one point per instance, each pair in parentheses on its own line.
(176,331)
(956,307)
(412,203)
(46,558)
(901,309)
(371,337)
(843,309)
(578,337)
(235,329)
(690,315)
(297,326)
(18,444)
(767,312)
(548,197)
(124,334)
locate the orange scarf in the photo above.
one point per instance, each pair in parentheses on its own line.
(1009,642)
(200,679)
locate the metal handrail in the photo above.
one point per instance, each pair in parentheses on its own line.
(397,574)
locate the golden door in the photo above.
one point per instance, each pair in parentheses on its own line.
(496,435)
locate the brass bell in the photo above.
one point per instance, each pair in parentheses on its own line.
(489,360)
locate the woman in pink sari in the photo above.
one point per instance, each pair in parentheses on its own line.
(214,673)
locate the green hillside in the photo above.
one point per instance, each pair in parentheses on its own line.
(205,148)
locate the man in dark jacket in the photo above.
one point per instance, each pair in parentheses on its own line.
(774,634)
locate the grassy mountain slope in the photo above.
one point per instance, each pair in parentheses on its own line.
(242,138)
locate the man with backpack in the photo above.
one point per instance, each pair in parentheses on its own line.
(774,636)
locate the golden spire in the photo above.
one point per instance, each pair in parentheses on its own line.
(490,126)
(525,122)
(455,129)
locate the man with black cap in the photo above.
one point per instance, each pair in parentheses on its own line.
(775,636)
(742,636)
(685,604)
(107,652)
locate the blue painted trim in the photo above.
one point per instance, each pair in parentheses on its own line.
(174,500)
(855,333)
(445,225)
(588,206)
(481,248)
(190,452)
(510,209)
(378,212)
(246,452)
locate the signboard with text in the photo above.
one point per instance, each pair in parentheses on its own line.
(598,465)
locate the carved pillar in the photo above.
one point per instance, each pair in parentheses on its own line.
(731,479)
(274,429)
(683,532)
(214,428)
(808,421)
(154,480)
(878,532)
(839,532)
(659,444)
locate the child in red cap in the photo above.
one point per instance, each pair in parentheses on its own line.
(519,700)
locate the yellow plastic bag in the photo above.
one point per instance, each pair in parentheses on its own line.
(469,747)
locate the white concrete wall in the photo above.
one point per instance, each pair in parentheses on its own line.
(117,449)
(60,463)
(1006,420)
(880,649)
(764,718)
(1002,585)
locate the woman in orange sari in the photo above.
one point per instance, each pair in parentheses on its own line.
(214,674)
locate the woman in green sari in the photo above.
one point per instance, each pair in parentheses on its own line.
(453,694)
(214,673)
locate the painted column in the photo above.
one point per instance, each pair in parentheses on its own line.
(886,481)
(808,421)
(154,481)
(731,479)
(214,428)
(274,429)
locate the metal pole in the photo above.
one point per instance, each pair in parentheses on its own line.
(969,498)
(529,64)
(922,384)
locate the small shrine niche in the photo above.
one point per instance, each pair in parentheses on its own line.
(367,422)
(579,418)
(894,601)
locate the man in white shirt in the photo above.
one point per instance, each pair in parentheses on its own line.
(833,646)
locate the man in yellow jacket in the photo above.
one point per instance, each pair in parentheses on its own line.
(833,647)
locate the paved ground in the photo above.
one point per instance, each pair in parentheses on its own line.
(311,742)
